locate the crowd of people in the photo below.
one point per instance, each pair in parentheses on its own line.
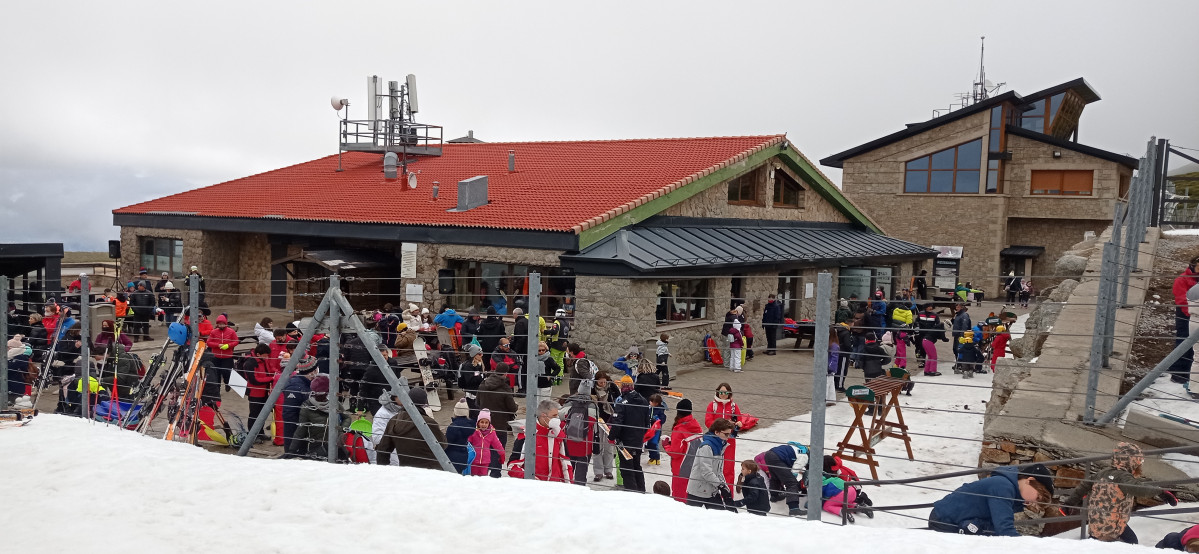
(599,430)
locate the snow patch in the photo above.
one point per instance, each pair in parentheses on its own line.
(79,481)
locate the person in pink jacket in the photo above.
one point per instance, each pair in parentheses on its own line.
(484,440)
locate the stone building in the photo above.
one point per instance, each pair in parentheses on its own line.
(999,186)
(632,237)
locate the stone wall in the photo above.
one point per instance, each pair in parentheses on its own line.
(255,270)
(1030,155)
(613,314)
(1057,236)
(131,247)
(714,202)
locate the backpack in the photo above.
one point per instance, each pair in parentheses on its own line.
(577,425)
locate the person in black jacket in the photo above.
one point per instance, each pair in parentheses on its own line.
(142,303)
(632,420)
(929,331)
(470,327)
(1186,540)
(491,331)
(648,383)
(772,320)
(752,488)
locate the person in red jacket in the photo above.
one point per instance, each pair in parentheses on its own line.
(999,344)
(578,428)
(259,379)
(684,431)
(723,407)
(552,463)
(222,340)
(1181,368)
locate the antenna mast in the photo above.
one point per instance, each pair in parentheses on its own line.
(980,88)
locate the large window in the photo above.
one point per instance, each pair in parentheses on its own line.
(1040,117)
(787,192)
(682,300)
(484,284)
(955,170)
(1063,182)
(995,145)
(744,189)
(160,255)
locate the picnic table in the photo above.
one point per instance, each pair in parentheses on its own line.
(883,394)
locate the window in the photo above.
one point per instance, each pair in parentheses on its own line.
(682,300)
(744,189)
(787,192)
(1040,117)
(484,284)
(1063,182)
(995,145)
(160,255)
(789,285)
(956,170)
(1124,186)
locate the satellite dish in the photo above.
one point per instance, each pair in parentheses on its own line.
(338,103)
(988,83)
(411,180)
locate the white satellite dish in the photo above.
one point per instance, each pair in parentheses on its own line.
(987,83)
(411,180)
(413,106)
(338,103)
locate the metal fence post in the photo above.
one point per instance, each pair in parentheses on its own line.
(824,288)
(4,337)
(333,423)
(531,376)
(193,298)
(1098,336)
(85,355)
(1136,390)
(277,390)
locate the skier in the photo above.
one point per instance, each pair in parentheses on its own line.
(294,394)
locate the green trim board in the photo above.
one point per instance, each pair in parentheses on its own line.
(786,152)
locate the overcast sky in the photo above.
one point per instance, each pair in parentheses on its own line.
(104,104)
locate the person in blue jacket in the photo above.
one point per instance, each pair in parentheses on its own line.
(988,506)
(460,429)
(876,314)
(294,394)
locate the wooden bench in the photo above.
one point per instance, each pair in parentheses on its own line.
(885,400)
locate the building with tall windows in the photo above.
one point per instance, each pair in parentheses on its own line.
(632,237)
(999,186)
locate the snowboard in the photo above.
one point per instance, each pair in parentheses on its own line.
(426,374)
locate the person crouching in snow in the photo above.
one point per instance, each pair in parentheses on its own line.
(988,506)
(484,440)
(778,463)
(752,489)
(1186,540)
(840,497)
(1113,492)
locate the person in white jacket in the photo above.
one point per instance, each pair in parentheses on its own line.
(389,407)
(264,331)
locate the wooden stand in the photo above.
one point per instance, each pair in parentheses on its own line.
(886,391)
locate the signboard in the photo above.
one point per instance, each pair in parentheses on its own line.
(408,260)
(947,266)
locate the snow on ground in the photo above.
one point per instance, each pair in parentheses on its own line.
(1017,329)
(1167,397)
(933,454)
(1180,232)
(87,487)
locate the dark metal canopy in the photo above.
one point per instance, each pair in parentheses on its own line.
(342,259)
(1022,251)
(676,245)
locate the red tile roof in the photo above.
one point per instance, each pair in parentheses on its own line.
(557,186)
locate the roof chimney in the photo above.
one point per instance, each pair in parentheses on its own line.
(511,161)
(470,133)
(390,160)
(472,193)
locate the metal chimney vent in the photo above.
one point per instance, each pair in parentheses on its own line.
(472,193)
(511,161)
(390,160)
